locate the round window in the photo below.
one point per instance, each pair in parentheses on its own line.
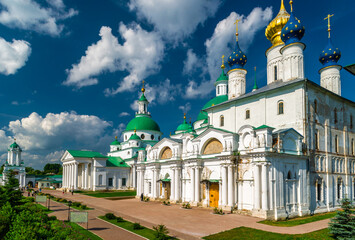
(152,137)
(142,136)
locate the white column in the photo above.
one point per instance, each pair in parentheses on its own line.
(224,186)
(157,185)
(172,185)
(153,184)
(220,193)
(70,176)
(256,187)
(192,185)
(177,184)
(230,186)
(138,177)
(264,187)
(142,181)
(66,175)
(82,176)
(86,176)
(75,176)
(197,184)
(134,176)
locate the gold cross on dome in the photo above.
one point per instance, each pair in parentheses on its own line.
(328,17)
(222,66)
(236,23)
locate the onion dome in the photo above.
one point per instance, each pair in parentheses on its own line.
(184,126)
(293,30)
(143,98)
(222,78)
(14,146)
(134,136)
(273,30)
(330,55)
(115,142)
(237,59)
(142,123)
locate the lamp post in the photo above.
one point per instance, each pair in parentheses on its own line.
(69,204)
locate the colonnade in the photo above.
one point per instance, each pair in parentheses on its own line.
(71,176)
(228,181)
(261,186)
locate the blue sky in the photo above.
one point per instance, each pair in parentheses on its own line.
(70,71)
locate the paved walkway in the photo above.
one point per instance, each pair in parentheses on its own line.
(99,227)
(182,223)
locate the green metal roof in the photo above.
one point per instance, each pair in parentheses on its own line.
(116,162)
(14,145)
(210,103)
(134,137)
(262,127)
(142,123)
(143,98)
(115,142)
(86,154)
(222,77)
(184,126)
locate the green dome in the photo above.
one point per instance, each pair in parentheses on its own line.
(214,101)
(184,126)
(143,98)
(142,123)
(115,142)
(134,137)
(14,145)
(222,77)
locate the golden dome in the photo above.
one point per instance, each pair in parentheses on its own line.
(273,30)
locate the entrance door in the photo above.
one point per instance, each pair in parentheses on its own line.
(214,194)
(167,190)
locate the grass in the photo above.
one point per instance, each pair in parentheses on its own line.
(145,232)
(127,193)
(83,231)
(299,221)
(45,210)
(242,233)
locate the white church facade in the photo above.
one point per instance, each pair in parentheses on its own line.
(283,150)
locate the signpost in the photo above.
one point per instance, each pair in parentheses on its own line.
(79,217)
(41,199)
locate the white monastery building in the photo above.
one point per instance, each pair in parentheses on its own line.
(283,150)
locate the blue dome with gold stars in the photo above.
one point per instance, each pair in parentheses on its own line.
(293,31)
(237,59)
(330,55)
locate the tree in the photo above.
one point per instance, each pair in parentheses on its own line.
(342,226)
(2,168)
(52,168)
(161,232)
(10,191)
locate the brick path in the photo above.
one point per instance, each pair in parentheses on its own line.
(182,223)
(97,226)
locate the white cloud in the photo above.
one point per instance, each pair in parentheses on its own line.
(175,20)
(53,130)
(140,55)
(162,93)
(192,63)
(124,114)
(29,15)
(222,42)
(17,103)
(13,55)
(185,108)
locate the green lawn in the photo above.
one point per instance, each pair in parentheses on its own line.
(242,233)
(145,232)
(45,210)
(127,193)
(84,232)
(300,220)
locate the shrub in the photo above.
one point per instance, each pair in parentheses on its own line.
(137,226)
(52,218)
(119,219)
(146,199)
(218,211)
(161,232)
(110,216)
(342,226)
(84,207)
(76,204)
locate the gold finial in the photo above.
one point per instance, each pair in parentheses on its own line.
(282,7)
(185,116)
(14,139)
(255,69)
(116,137)
(222,66)
(291,2)
(143,89)
(170,133)
(135,131)
(190,121)
(236,33)
(328,17)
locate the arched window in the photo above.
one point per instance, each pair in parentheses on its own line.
(289,175)
(280,107)
(335,116)
(339,188)
(142,136)
(100,180)
(213,146)
(336,142)
(319,190)
(221,121)
(247,114)
(166,153)
(315,106)
(316,140)
(352,147)
(275,72)
(351,121)
(125,137)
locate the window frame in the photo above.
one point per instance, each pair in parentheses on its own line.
(278,107)
(247,114)
(221,121)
